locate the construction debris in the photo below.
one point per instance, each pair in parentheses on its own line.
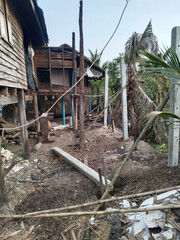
(157,224)
(87,171)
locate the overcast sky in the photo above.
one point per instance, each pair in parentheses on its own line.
(101,17)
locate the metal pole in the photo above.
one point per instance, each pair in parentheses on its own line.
(174,128)
(106,98)
(124,99)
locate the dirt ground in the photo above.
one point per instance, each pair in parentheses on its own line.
(60,185)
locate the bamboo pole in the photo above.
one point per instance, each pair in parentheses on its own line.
(90,213)
(106,200)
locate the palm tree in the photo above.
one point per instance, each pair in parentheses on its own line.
(95,57)
(166,64)
(139,102)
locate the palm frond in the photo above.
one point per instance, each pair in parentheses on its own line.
(139,42)
(94,57)
(168,65)
(148,40)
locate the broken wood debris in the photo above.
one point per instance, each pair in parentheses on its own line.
(13,234)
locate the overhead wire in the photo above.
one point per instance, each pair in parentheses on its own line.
(98,57)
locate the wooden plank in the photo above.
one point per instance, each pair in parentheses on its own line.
(13,72)
(13,79)
(5,100)
(22,115)
(59,55)
(6,62)
(12,47)
(16,27)
(13,57)
(10,63)
(12,84)
(55,63)
(55,93)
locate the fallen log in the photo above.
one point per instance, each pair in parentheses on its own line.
(87,171)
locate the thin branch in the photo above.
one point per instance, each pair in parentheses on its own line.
(137,195)
(69,214)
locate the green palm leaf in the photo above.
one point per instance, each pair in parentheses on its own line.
(163,114)
(168,65)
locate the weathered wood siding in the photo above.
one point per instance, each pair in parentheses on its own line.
(12,60)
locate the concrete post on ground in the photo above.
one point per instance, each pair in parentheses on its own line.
(124,99)
(174,128)
(106,98)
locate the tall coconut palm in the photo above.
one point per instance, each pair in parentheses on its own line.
(138,99)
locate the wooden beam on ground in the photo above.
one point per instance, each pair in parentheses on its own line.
(22,115)
(87,171)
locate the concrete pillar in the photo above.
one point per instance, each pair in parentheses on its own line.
(124,99)
(106,98)
(174,128)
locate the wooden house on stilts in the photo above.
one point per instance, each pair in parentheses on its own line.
(57,69)
(22,27)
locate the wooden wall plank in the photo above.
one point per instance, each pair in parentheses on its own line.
(12,59)
(12,99)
